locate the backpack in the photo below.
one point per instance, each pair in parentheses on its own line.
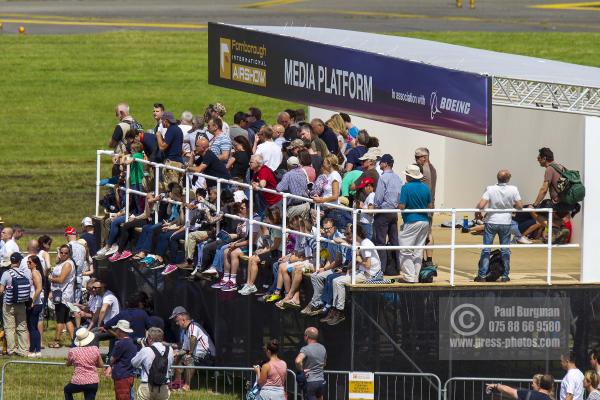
(157,376)
(569,187)
(427,273)
(496,269)
(21,288)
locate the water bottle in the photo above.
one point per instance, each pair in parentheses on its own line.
(465,224)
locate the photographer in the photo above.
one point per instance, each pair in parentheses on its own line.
(543,389)
(154,360)
(197,348)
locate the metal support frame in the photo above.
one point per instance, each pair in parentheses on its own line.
(544,95)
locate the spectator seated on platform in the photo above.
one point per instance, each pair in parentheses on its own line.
(151,232)
(213,252)
(293,267)
(332,256)
(128,228)
(114,205)
(369,268)
(107,308)
(196,348)
(228,256)
(268,249)
(201,222)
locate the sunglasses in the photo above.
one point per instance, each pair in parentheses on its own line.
(64,253)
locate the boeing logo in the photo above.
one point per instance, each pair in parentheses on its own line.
(434,106)
(447,104)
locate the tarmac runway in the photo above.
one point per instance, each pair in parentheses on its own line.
(90,16)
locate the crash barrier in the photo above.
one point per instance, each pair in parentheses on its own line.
(387,385)
(352,214)
(470,388)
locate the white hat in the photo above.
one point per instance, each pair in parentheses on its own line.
(413,171)
(372,154)
(83,337)
(239,196)
(293,161)
(123,325)
(87,221)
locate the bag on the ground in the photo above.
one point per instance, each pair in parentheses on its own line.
(427,273)
(496,268)
(569,187)
(21,287)
(157,376)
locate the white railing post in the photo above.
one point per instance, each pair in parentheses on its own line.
(318,259)
(218,202)
(284,225)
(251,222)
(452,248)
(156,190)
(549,261)
(354,247)
(187,200)
(98,155)
(127,172)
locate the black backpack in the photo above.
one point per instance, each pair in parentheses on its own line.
(496,266)
(157,376)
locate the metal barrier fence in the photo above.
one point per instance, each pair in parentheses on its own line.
(474,388)
(34,380)
(388,385)
(355,215)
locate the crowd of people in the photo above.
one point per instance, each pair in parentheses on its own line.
(575,385)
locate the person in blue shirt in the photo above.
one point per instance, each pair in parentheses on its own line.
(414,195)
(135,315)
(120,368)
(171,146)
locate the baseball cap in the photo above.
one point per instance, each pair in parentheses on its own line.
(168,116)
(365,181)
(176,311)
(293,161)
(16,257)
(387,158)
(69,230)
(296,143)
(87,221)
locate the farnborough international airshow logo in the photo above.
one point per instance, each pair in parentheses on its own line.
(225,58)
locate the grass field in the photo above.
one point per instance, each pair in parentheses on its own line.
(58,94)
(35,382)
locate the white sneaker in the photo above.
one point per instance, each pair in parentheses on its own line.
(112,250)
(100,254)
(524,240)
(210,271)
(248,290)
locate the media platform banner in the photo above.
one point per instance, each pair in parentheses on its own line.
(445,102)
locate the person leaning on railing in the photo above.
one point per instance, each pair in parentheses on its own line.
(542,389)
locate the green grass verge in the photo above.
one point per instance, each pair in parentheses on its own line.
(36,381)
(58,94)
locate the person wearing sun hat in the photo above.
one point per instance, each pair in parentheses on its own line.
(120,369)
(414,195)
(86,358)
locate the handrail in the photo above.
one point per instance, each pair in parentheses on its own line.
(355,213)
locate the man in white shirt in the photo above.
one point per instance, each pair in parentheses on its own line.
(10,246)
(499,196)
(571,387)
(143,360)
(268,149)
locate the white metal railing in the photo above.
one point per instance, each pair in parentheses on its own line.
(452,246)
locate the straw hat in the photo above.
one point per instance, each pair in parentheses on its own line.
(83,337)
(123,325)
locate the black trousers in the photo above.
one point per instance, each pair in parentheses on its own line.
(385,230)
(89,391)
